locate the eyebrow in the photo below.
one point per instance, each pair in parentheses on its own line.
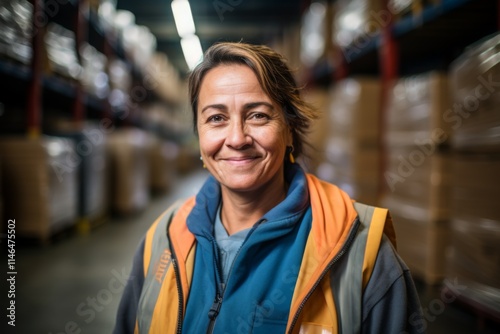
(247,106)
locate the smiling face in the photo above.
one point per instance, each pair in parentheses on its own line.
(242,132)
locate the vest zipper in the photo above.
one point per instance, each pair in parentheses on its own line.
(221,287)
(179,290)
(342,251)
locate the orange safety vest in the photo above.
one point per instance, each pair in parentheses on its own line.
(328,293)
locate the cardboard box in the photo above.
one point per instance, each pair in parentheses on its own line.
(318,131)
(162,157)
(473,79)
(90,148)
(475,190)
(352,150)
(424,181)
(475,250)
(416,109)
(422,242)
(355,110)
(40,184)
(129,170)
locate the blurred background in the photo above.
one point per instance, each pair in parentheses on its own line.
(96,138)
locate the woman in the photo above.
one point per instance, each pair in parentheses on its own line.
(264,247)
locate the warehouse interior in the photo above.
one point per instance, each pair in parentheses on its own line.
(96,138)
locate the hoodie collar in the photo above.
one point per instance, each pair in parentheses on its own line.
(201,219)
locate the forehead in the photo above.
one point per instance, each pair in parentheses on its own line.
(230,78)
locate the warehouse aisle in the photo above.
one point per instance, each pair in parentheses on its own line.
(75,283)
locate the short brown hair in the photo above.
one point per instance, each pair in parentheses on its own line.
(274,76)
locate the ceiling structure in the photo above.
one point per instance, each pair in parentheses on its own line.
(254,21)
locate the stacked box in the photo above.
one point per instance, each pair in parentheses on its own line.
(128,170)
(417,172)
(475,229)
(162,160)
(314,154)
(90,148)
(474,81)
(352,150)
(39,184)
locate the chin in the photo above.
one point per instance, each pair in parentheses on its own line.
(243,184)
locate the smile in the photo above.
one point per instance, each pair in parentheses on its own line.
(240,161)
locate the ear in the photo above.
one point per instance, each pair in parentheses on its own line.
(289,138)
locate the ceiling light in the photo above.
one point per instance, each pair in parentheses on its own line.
(191,47)
(183,18)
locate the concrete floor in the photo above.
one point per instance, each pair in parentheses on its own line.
(74,284)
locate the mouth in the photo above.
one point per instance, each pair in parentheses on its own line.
(240,161)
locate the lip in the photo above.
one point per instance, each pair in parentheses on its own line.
(239,161)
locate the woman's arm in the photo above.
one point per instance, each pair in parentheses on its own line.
(127,310)
(390,301)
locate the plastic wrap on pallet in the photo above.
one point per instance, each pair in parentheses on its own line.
(474,78)
(94,78)
(356,19)
(90,161)
(16,20)
(474,258)
(60,46)
(416,110)
(40,176)
(312,33)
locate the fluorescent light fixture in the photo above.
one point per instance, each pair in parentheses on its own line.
(183,18)
(191,47)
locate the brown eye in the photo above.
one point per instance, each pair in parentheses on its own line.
(259,116)
(215,119)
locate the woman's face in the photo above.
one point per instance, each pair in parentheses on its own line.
(242,132)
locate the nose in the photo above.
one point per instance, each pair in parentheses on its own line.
(237,136)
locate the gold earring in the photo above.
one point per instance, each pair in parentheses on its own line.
(201,158)
(290,155)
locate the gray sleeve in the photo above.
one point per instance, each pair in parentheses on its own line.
(390,301)
(127,310)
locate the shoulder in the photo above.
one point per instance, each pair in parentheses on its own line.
(389,270)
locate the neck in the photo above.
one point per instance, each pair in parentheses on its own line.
(241,210)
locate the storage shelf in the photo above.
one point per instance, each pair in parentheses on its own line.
(426,41)
(16,71)
(60,86)
(429,14)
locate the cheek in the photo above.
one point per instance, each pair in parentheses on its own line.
(210,141)
(274,140)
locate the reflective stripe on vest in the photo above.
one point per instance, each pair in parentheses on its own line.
(160,257)
(346,277)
